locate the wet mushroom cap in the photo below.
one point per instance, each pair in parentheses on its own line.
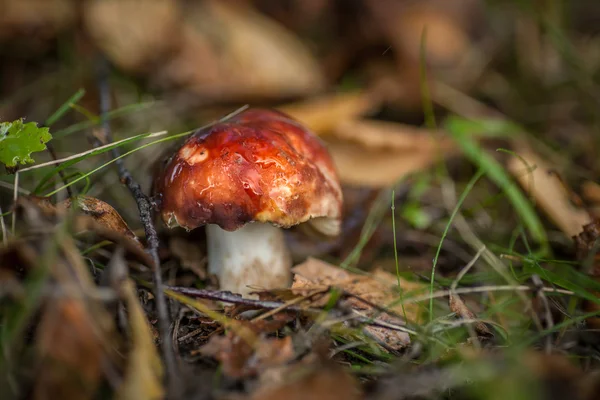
(260,165)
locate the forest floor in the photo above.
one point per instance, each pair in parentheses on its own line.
(465,135)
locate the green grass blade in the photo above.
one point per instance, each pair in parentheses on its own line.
(110,115)
(87,174)
(459,203)
(62,110)
(74,161)
(495,172)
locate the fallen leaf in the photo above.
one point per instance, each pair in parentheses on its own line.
(586,246)
(103,213)
(241,358)
(319,380)
(243,54)
(71,351)
(446,38)
(547,191)
(378,153)
(379,135)
(586,242)
(323,113)
(100,218)
(144,371)
(379,288)
(134,34)
(76,338)
(591,191)
(39,19)
(458,306)
(378,168)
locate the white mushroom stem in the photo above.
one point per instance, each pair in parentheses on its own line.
(250,258)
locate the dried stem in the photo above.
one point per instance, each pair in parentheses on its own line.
(145,211)
(228,297)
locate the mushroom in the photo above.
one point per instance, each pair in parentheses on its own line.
(245,179)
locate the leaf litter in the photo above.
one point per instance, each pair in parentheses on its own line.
(80,319)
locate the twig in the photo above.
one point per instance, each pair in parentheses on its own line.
(228,297)
(539,285)
(466,269)
(3,226)
(145,211)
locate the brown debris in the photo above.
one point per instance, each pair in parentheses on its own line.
(587,251)
(379,289)
(458,306)
(144,371)
(379,154)
(71,351)
(103,213)
(322,114)
(134,34)
(309,380)
(547,191)
(241,358)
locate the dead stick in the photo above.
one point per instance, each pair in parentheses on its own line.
(145,211)
(229,297)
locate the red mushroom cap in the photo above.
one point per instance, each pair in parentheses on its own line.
(260,165)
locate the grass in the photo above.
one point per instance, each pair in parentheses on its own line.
(496,284)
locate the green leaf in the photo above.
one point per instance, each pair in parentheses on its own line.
(19,140)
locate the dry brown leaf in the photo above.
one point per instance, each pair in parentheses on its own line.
(378,154)
(242,54)
(459,307)
(323,113)
(76,336)
(586,243)
(100,218)
(547,191)
(591,191)
(40,18)
(380,135)
(380,288)
(103,213)
(315,380)
(71,351)
(447,26)
(134,34)
(375,168)
(143,376)
(446,40)
(240,359)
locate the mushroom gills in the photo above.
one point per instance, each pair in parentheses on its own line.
(251,258)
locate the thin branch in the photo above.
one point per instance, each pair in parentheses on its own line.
(232,298)
(145,211)
(466,269)
(539,285)
(228,297)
